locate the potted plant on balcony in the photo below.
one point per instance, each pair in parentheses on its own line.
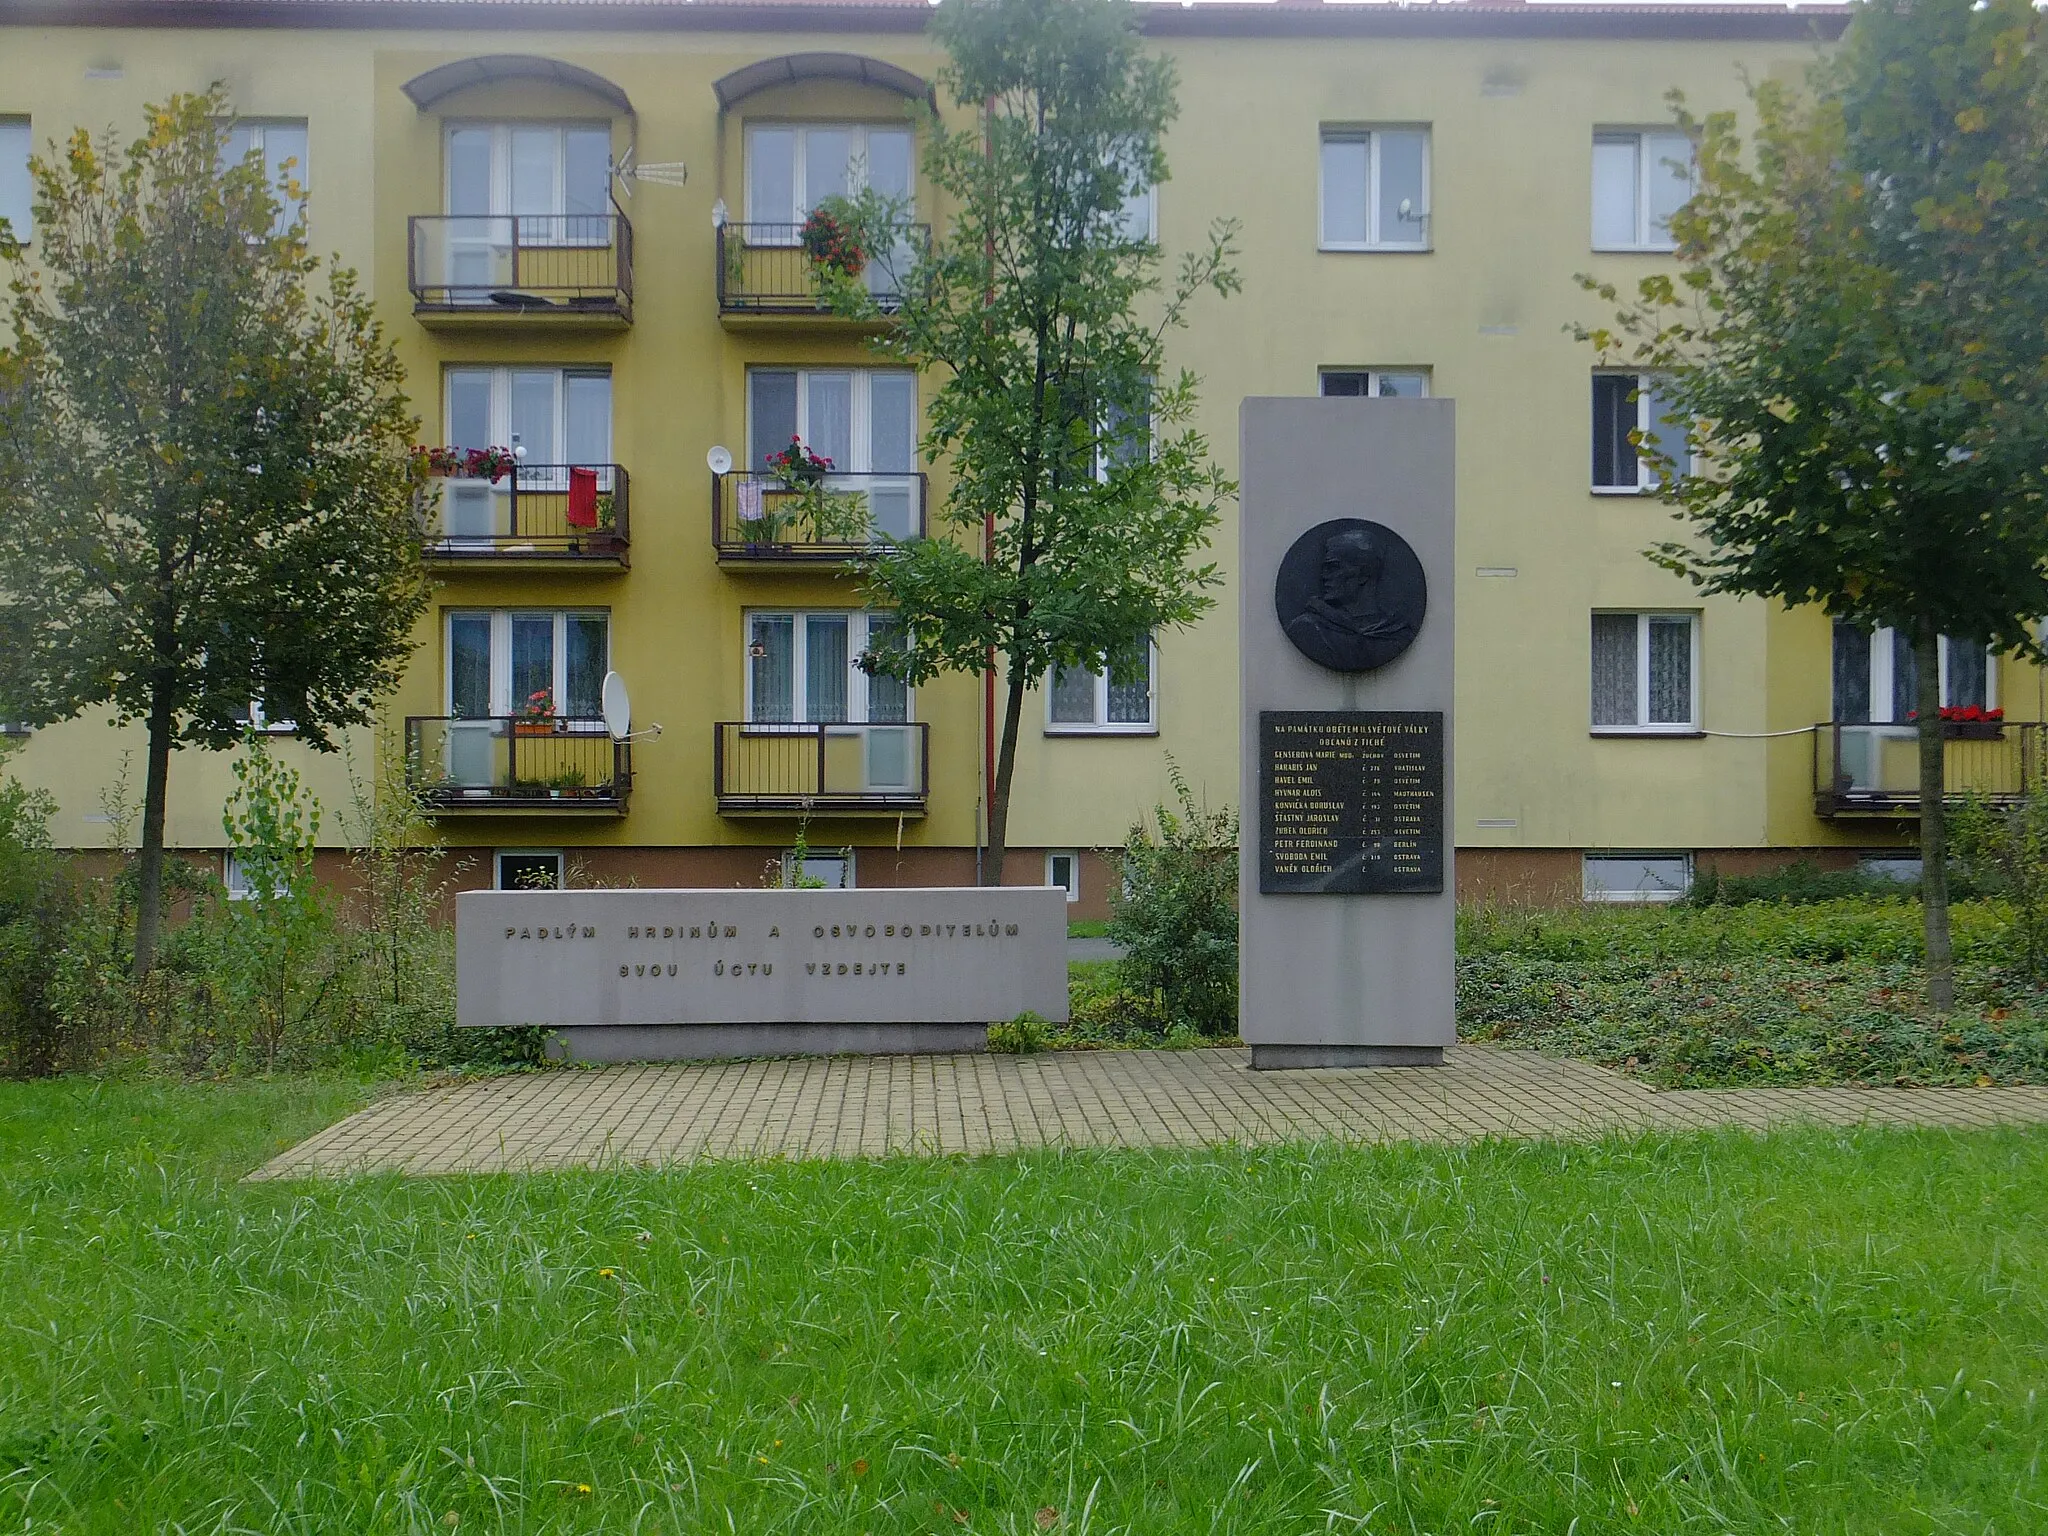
(832,241)
(536,716)
(1971,722)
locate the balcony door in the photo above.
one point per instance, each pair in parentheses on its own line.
(551,418)
(804,669)
(1876,694)
(793,167)
(522,184)
(863,419)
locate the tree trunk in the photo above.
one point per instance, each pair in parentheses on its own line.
(999,791)
(1941,978)
(149,897)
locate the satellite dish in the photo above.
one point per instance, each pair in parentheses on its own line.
(720,460)
(618,710)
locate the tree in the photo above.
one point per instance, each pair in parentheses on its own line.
(205,488)
(1081,497)
(1855,339)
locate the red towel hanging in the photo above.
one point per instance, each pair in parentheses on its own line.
(582,497)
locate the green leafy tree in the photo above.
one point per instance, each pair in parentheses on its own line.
(1082,499)
(1855,334)
(205,490)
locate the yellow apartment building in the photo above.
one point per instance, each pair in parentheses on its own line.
(579,221)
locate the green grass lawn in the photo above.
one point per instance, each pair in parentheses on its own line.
(1815,1333)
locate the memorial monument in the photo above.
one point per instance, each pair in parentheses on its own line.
(1346,901)
(653,975)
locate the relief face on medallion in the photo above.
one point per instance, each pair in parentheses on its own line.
(1351,594)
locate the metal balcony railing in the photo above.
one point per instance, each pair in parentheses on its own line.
(1874,770)
(522,264)
(763,269)
(499,763)
(770,768)
(534,512)
(761,518)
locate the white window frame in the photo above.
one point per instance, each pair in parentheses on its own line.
(1373,378)
(235,883)
(1591,891)
(1102,725)
(501,415)
(1072,884)
(1644,726)
(843,857)
(858,634)
(501,167)
(499,855)
(1372,136)
(258,127)
(1645,393)
(13,128)
(502,702)
(856,177)
(861,425)
(1882,677)
(1646,238)
(263,725)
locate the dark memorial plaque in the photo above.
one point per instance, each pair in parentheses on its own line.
(1350,595)
(1351,802)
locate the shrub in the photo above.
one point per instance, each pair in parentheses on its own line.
(1025,1035)
(1176,916)
(2005,848)
(35,918)
(1804,882)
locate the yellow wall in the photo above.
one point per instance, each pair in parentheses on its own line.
(1487,310)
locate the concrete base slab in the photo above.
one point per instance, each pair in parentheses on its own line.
(1288,1058)
(721,1042)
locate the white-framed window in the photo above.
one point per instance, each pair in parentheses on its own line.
(546,416)
(258,720)
(1120,699)
(1640,178)
(1126,438)
(1375,189)
(281,142)
(1627,409)
(1374,383)
(17,194)
(793,167)
(835,869)
(527,869)
(512,661)
(1637,876)
(1063,869)
(235,879)
(559,175)
(803,667)
(863,419)
(1646,673)
(1876,676)
(1137,220)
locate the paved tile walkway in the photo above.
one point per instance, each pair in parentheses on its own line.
(918,1105)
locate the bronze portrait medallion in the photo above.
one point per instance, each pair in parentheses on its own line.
(1351,594)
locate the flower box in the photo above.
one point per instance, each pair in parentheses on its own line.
(1973,730)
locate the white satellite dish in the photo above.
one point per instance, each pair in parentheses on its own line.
(720,460)
(618,709)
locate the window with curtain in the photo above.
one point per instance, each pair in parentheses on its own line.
(1625,404)
(1645,672)
(499,659)
(554,177)
(793,167)
(281,145)
(1374,383)
(17,196)
(1640,179)
(863,419)
(1876,676)
(1118,698)
(1375,192)
(550,417)
(804,668)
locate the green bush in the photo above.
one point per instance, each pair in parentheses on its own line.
(1176,916)
(35,918)
(2005,848)
(1803,881)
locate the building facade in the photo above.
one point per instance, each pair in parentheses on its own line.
(1416,189)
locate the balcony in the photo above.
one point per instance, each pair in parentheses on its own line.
(764,769)
(1874,770)
(559,516)
(759,522)
(561,269)
(568,766)
(766,275)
